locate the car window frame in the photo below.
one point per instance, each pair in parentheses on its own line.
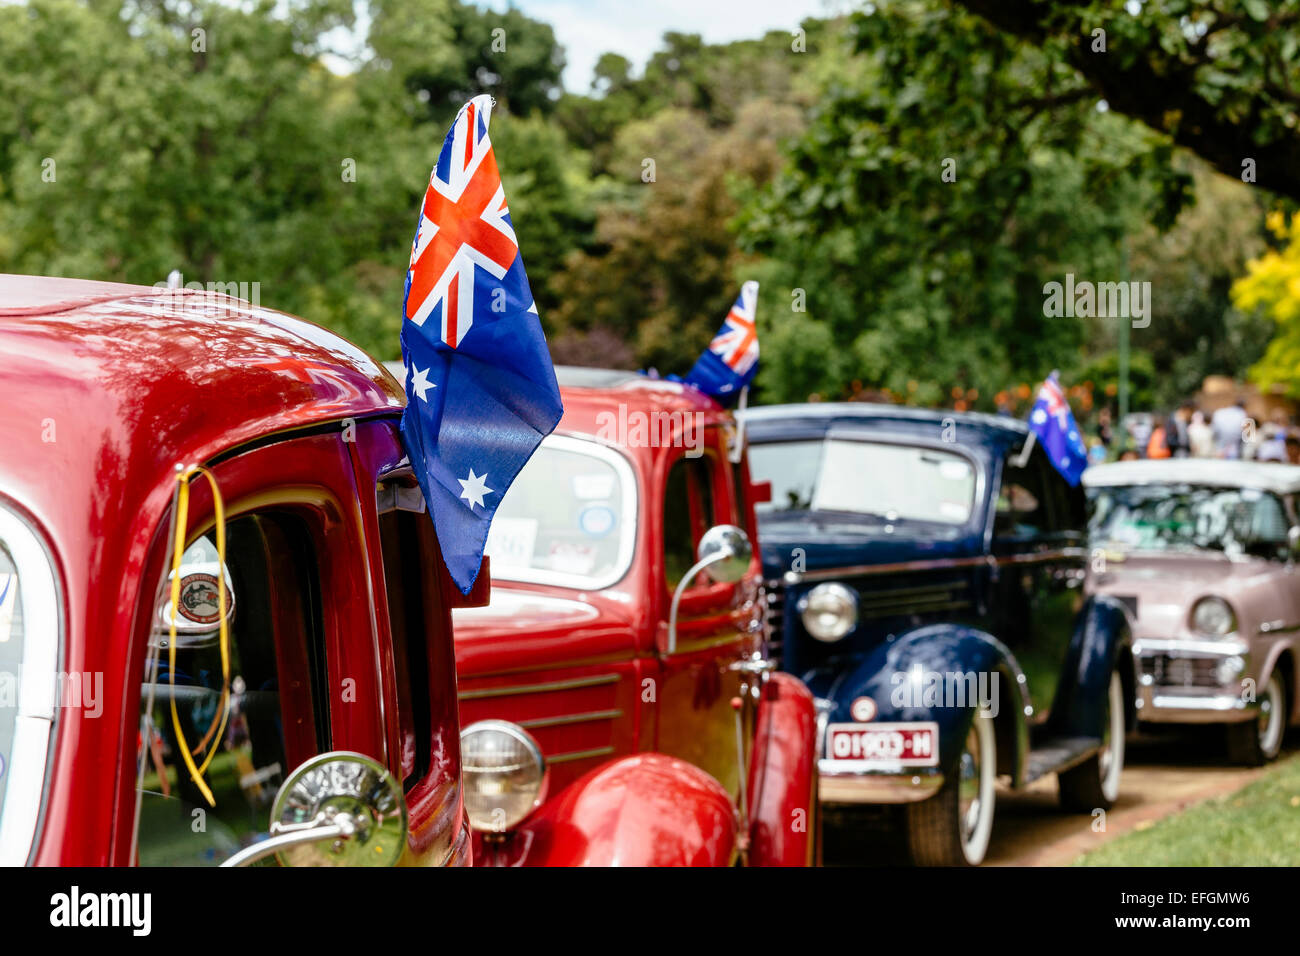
(41,591)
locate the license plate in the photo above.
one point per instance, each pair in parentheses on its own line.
(881,746)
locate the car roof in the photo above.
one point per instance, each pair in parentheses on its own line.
(106,387)
(1214,472)
(771,422)
(590,395)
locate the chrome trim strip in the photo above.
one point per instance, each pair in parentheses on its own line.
(24,779)
(934,564)
(538,688)
(706,643)
(1278,627)
(1223,648)
(569,719)
(580,755)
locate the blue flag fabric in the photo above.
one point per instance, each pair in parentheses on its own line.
(1053,423)
(730,361)
(480,388)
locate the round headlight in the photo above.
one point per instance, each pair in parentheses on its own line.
(1213,617)
(829,611)
(503,769)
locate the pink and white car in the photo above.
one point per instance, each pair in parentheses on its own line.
(1203,553)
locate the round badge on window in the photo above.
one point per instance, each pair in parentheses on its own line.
(199,598)
(863,709)
(597,521)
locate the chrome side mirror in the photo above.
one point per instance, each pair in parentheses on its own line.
(337,809)
(725,550)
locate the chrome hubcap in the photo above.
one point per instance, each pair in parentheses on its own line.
(969,797)
(1271,718)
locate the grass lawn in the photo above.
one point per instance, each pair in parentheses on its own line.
(1258,825)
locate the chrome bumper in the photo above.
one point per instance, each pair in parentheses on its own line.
(909,786)
(1175,705)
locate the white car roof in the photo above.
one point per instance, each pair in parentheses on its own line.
(1265,475)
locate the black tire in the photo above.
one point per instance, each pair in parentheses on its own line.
(1094,784)
(1254,743)
(935,832)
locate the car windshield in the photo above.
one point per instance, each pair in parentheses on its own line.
(569,518)
(1187,518)
(866,477)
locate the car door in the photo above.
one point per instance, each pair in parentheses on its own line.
(1040,566)
(303,676)
(717,623)
(416,653)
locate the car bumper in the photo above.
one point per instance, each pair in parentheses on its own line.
(904,786)
(1193,682)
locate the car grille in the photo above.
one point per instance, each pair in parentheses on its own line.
(1166,671)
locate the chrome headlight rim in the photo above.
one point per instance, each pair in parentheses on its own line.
(834,592)
(1228,619)
(470,775)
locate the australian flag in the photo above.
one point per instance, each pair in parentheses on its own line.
(730,361)
(1053,423)
(480,389)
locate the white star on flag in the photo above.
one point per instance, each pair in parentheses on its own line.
(473,488)
(420,383)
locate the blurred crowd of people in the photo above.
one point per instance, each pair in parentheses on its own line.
(1188,432)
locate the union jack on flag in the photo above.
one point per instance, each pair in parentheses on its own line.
(464,230)
(480,389)
(731,360)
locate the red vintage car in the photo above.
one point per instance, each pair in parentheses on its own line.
(257,663)
(618,703)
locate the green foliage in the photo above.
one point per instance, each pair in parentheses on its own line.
(930,200)
(811,160)
(1271,286)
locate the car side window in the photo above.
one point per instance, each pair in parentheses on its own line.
(407,540)
(1023,509)
(688,513)
(277,712)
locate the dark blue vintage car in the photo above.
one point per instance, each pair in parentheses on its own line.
(925,575)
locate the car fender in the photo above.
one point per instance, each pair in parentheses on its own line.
(644,810)
(782,775)
(882,673)
(1102,641)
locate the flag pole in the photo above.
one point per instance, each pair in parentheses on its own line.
(1023,458)
(739,448)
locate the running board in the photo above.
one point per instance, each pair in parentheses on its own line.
(1057,754)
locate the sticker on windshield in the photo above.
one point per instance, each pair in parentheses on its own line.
(955,470)
(596,521)
(8,602)
(572,558)
(588,487)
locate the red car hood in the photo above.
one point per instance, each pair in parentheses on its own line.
(523,629)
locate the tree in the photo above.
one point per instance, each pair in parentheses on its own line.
(1272,286)
(1220,77)
(935,192)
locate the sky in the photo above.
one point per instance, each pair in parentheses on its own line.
(588,28)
